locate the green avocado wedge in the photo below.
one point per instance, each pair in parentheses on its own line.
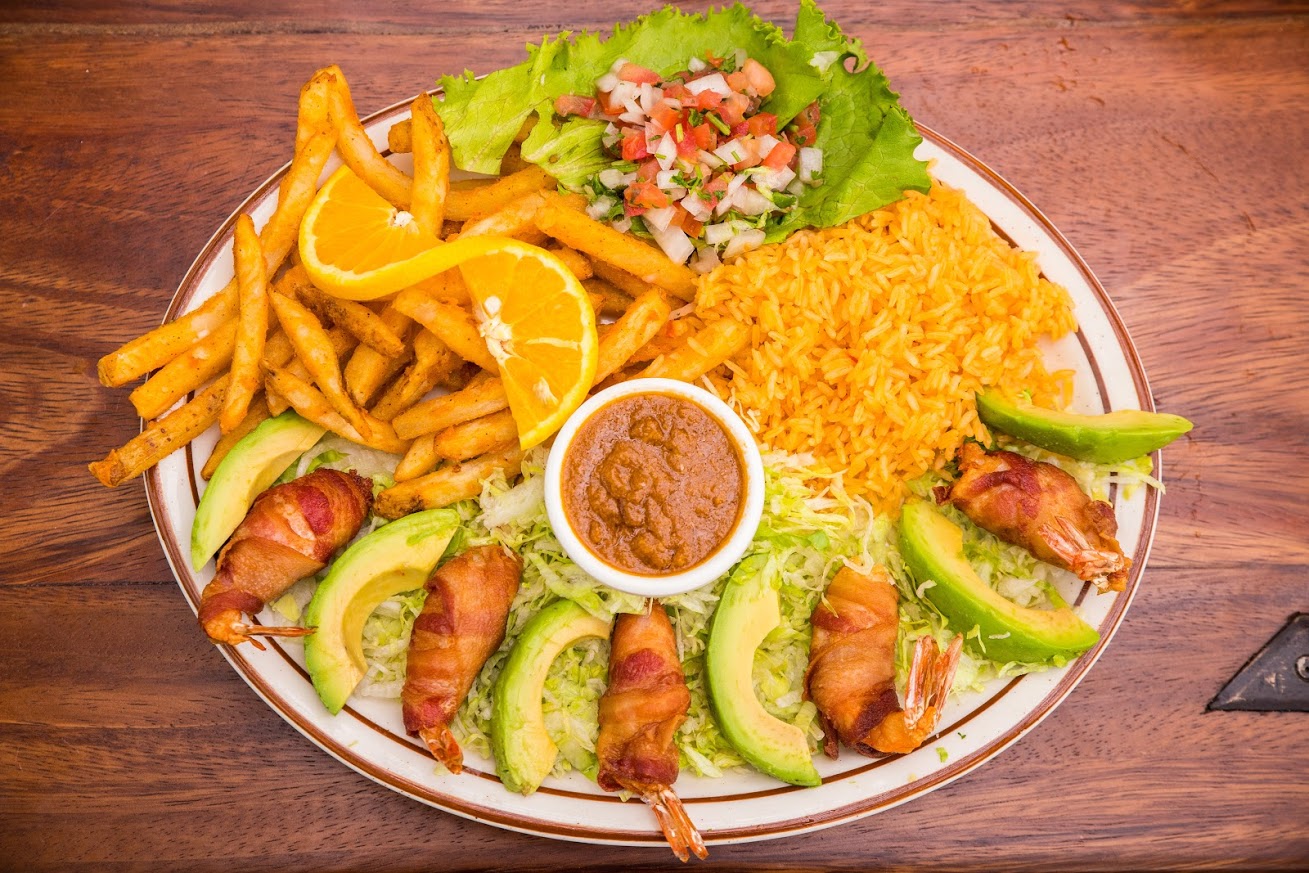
(933,548)
(250,467)
(391,560)
(749,609)
(524,752)
(1110,438)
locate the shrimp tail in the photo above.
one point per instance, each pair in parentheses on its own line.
(1101,567)
(444,747)
(679,830)
(228,626)
(930,676)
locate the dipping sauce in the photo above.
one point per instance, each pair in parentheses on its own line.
(653,484)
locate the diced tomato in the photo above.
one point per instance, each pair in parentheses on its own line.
(707,100)
(733,109)
(647,170)
(780,156)
(630,72)
(759,79)
(646,194)
(686,146)
(608,104)
(713,60)
(634,145)
(740,130)
(737,81)
(632,211)
(765,123)
(664,116)
(692,227)
(804,129)
(749,154)
(715,188)
(705,136)
(572,104)
(678,91)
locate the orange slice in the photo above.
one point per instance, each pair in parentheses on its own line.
(355,244)
(539,326)
(533,313)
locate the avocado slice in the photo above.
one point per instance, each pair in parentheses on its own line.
(933,549)
(524,752)
(391,560)
(748,610)
(1110,438)
(250,467)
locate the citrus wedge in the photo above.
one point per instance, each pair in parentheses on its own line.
(355,244)
(539,326)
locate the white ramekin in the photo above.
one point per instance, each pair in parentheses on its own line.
(708,570)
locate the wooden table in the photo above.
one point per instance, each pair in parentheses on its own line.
(1168,142)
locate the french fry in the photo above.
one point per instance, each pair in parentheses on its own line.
(602,243)
(453,324)
(434,364)
(258,413)
(252,330)
(368,369)
(490,433)
(575,261)
(315,101)
(161,345)
(400,137)
(700,353)
(162,437)
(618,278)
(523,132)
(642,320)
(420,459)
(478,398)
(314,349)
(279,236)
(472,203)
(431,186)
(513,161)
(446,486)
(611,301)
(310,403)
(358,151)
(516,219)
(185,373)
(665,341)
(361,322)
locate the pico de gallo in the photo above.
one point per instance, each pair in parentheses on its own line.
(698,166)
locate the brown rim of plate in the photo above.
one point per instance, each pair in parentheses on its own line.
(177,559)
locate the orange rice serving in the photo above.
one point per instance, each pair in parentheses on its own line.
(869,339)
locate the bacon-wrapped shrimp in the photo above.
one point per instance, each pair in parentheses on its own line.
(288,534)
(646,701)
(851,675)
(461,625)
(1039,507)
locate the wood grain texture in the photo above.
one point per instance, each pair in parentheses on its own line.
(1165,139)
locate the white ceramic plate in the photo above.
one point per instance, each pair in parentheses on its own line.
(368,735)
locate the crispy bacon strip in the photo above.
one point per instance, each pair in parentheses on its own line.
(289,533)
(461,625)
(646,701)
(851,675)
(1039,507)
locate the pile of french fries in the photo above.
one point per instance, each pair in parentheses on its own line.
(374,373)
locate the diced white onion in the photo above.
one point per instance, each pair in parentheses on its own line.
(717,234)
(751,202)
(796,187)
(697,206)
(659,219)
(767,143)
(666,153)
(743,242)
(709,159)
(695,65)
(774,180)
(730,152)
(618,65)
(715,82)
(611,178)
(600,208)
(650,95)
(705,260)
(622,225)
(607,82)
(675,243)
(811,164)
(822,60)
(677,192)
(741,57)
(625,93)
(729,195)
(664,178)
